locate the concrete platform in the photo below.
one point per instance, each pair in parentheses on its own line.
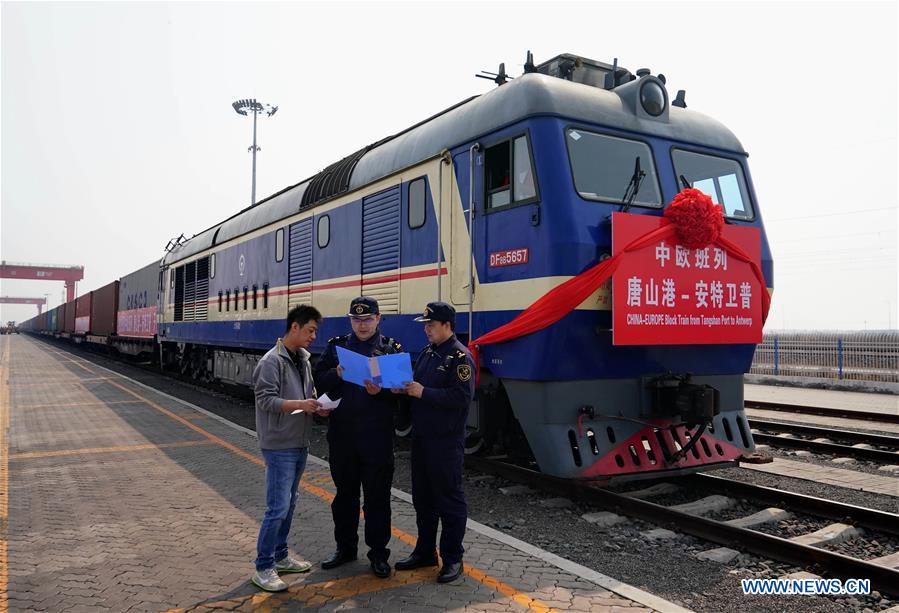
(858,401)
(114,496)
(851,479)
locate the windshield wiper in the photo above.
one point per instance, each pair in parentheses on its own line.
(687,185)
(633,188)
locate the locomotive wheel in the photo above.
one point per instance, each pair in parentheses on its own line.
(474,443)
(402,421)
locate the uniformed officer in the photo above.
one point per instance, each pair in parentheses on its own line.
(360,441)
(440,396)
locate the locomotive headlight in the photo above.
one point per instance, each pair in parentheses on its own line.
(653,97)
(645,96)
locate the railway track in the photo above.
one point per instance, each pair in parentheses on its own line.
(875,416)
(878,447)
(883,578)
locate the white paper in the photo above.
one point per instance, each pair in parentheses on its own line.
(327,404)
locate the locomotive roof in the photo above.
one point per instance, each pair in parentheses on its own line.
(529,95)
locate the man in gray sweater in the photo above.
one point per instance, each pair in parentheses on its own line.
(285,402)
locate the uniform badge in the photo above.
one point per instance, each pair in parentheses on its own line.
(359,309)
(464,372)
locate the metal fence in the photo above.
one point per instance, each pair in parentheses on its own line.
(856,356)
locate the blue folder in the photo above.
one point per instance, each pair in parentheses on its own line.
(388,371)
(396,369)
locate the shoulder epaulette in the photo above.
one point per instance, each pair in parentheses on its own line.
(393,342)
(460,353)
(337,339)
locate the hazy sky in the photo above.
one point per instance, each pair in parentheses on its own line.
(118,131)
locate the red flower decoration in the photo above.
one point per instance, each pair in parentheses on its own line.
(697,220)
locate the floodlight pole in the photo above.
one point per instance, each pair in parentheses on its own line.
(255,149)
(243,107)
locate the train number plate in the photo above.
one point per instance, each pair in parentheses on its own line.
(510,257)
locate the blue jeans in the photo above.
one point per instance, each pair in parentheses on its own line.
(283,469)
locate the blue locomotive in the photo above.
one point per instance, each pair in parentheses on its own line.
(488,205)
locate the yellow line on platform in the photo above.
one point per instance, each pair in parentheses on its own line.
(178,418)
(4,477)
(476,574)
(68,380)
(65,405)
(29,455)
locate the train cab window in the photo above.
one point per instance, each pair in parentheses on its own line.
(522,171)
(324,231)
(265,295)
(721,178)
(417,201)
(498,175)
(609,169)
(220,302)
(279,245)
(509,173)
(228,300)
(255,294)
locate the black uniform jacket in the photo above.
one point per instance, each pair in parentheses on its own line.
(447,373)
(359,412)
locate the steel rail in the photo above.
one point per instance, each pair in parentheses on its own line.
(847,435)
(862,516)
(883,579)
(889,418)
(878,455)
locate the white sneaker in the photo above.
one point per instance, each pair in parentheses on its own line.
(269,580)
(291,565)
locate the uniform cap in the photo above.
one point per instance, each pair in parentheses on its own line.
(438,311)
(363,306)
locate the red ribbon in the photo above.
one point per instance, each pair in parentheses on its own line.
(559,301)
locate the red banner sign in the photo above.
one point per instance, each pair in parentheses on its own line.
(665,294)
(510,257)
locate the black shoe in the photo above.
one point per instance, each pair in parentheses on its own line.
(380,568)
(416,561)
(450,572)
(339,557)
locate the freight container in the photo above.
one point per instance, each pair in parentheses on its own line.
(83,313)
(104,306)
(137,302)
(70,318)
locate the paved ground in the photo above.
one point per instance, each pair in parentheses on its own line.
(858,401)
(122,498)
